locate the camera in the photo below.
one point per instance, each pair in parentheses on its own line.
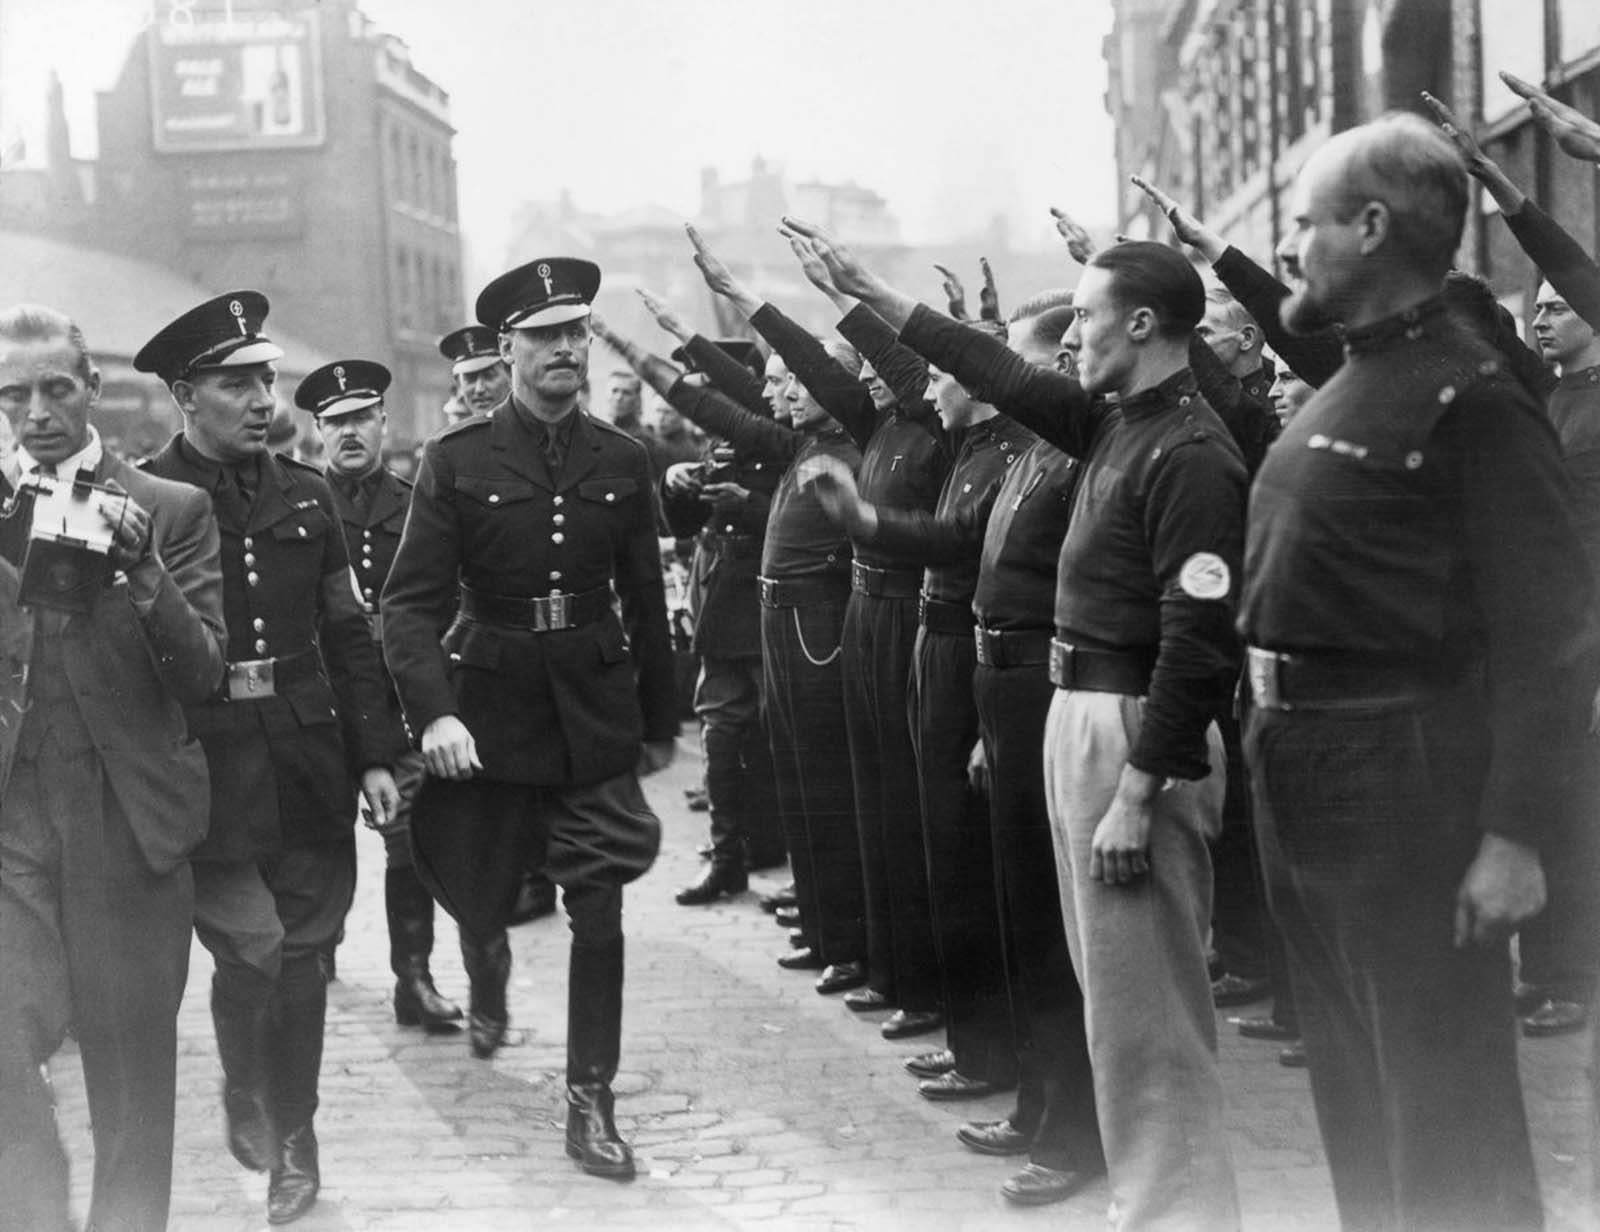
(721,467)
(57,533)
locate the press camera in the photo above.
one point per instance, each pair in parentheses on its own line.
(58,533)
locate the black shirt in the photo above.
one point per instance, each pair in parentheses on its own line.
(1151,557)
(1032,507)
(1415,512)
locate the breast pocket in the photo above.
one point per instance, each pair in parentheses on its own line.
(499,515)
(613,492)
(298,544)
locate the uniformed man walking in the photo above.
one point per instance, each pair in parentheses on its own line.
(542,705)
(481,377)
(300,720)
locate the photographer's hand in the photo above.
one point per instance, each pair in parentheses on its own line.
(132,537)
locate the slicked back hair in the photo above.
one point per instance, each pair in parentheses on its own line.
(36,323)
(1410,165)
(1145,274)
(844,354)
(1235,313)
(1049,314)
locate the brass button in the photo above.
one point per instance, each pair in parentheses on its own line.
(560,500)
(302,531)
(555,575)
(367,594)
(259,625)
(249,559)
(254,579)
(494,498)
(560,519)
(261,645)
(611,496)
(366,564)
(366,534)
(249,543)
(558,537)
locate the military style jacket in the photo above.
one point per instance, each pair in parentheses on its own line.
(553,707)
(285,759)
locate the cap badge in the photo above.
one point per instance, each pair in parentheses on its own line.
(235,307)
(544,272)
(338,375)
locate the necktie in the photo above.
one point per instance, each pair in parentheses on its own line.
(554,451)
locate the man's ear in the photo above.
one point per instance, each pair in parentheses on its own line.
(1249,337)
(94,384)
(183,395)
(505,349)
(1375,222)
(1141,325)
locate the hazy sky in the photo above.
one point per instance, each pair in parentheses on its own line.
(954,110)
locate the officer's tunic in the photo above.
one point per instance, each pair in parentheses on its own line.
(1411,551)
(805,578)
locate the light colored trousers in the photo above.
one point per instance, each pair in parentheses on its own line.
(1140,954)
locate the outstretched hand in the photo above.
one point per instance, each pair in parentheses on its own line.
(1574,132)
(811,263)
(1080,247)
(1460,137)
(954,293)
(845,270)
(988,297)
(717,275)
(605,333)
(665,316)
(1185,225)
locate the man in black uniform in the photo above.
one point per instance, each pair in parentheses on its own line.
(345,399)
(298,723)
(482,379)
(104,797)
(541,707)
(1142,662)
(1422,667)
(726,499)
(804,582)
(904,460)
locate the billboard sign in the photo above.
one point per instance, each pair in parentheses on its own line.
(237,81)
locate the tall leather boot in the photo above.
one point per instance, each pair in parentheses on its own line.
(724,785)
(295,1048)
(417,1002)
(488,965)
(241,1024)
(594,1043)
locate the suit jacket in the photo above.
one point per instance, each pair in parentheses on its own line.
(372,536)
(131,674)
(560,708)
(284,768)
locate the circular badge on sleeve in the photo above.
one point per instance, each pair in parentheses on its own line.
(1205,575)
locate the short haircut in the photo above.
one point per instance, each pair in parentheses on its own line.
(1050,313)
(624,374)
(1235,314)
(36,323)
(1411,166)
(1145,274)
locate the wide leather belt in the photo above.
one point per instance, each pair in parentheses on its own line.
(802,591)
(1013,647)
(885,583)
(1100,671)
(942,616)
(1280,681)
(536,613)
(253,680)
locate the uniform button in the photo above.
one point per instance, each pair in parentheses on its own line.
(728,529)
(555,575)
(1447,395)
(559,519)
(1414,332)
(1155,453)
(366,564)
(367,594)
(259,625)
(302,531)
(558,537)
(611,496)
(494,498)
(366,534)
(253,579)
(560,500)
(261,645)
(1185,400)
(1413,460)
(249,559)
(455,658)
(249,543)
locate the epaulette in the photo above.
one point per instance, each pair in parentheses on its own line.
(596,422)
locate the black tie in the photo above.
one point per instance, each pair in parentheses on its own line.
(554,449)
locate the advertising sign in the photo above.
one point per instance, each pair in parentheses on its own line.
(236,81)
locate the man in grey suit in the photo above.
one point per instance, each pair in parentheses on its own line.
(102,795)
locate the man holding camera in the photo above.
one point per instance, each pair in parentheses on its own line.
(104,793)
(301,719)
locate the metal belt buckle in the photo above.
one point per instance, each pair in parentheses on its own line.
(1265,685)
(980,638)
(1060,664)
(557,606)
(251,679)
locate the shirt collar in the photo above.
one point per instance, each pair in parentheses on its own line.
(87,458)
(1584,378)
(1177,390)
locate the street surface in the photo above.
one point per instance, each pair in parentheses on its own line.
(752,1102)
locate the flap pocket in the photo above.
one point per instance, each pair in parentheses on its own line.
(305,525)
(494,493)
(470,645)
(608,491)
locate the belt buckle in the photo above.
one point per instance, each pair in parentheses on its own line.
(557,606)
(769,592)
(252,679)
(1266,684)
(1060,664)
(980,638)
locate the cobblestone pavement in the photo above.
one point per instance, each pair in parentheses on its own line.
(751,1101)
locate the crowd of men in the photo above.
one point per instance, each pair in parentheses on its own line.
(1090,669)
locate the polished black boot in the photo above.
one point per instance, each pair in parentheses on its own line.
(488,967)
(594,1042)
(417,1002)
(241,1027)
(720,878)
(295,1049)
